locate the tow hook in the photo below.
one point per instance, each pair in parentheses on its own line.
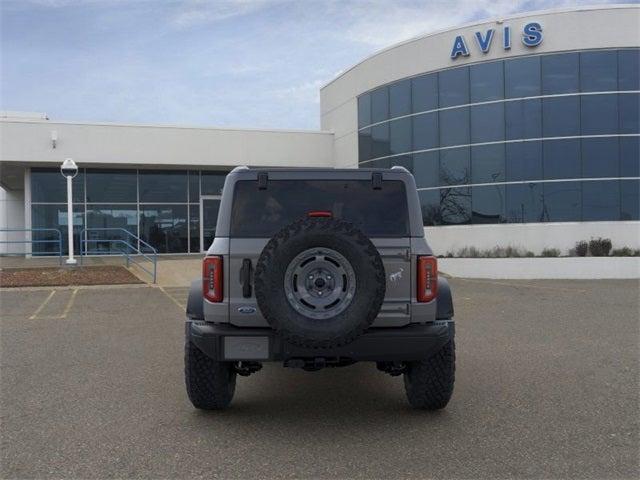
(244,369)
(392,368)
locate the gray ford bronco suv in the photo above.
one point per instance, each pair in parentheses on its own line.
(319,268)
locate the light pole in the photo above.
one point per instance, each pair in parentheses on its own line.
(69,169)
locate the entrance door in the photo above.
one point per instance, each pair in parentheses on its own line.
(209,206)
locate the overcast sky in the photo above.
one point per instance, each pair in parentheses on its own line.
(244,63)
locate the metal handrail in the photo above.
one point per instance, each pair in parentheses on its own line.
(150,256)
(32,241)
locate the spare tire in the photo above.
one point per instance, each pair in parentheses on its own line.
(320,282)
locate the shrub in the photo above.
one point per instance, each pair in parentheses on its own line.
(625,252)
(529,253)
(581,248)
(550,252)
(600,247)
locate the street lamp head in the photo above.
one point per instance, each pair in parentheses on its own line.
(69,169)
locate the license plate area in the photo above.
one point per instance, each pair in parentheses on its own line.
(246,348)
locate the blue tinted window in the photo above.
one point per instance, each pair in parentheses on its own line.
(453,87)
(426,168)
(424,92)
(106,186)
(562,201)
(400,135)
(487,164)
(425,131)
(561,116)
(364,110)
(630,200)
(165,227)
(522,77)
(455,205)
(630,156)
(212,182)
(400,98)
(405,161)
(365,147)
(523,161)
(599,71)
(487,123)
(194,186)
(629,112)
(560,73)
(380,140)
(163,186)
(194,228)
(430,203)
(488,204)
(49,186)
(524,203)
(599,114)
(600,200)
(523,119)
(53,216)
(454,127)
(454,166)
(600,157)
(487,81)
(561,159)
(379,105)
(629,69)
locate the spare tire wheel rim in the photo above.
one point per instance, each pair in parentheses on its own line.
(319,283)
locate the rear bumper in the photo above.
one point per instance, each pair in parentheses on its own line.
(229,343)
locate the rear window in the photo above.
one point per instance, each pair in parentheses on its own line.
(262,213)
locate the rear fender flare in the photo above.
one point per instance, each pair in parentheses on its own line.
(195,303)
(444,301)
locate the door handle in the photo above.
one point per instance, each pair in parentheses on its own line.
(245,277)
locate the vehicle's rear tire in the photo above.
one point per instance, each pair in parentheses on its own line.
(210,384)
(429,383)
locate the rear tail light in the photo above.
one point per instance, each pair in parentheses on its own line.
(212,279)
(320,213)
(427,278)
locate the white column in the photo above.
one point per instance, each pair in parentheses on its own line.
(70,260)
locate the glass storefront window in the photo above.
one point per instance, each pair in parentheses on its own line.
(599,114)
(424,93)
(561,116)
(487,81)
(55,216)
(380,140)
(522,77)
(364,110)
(49,186)
(430,205)
(212,182)
(630,156)
(629,113)
(523,161)
(453,87)
(487,123)
(379,104)
(454,127)
(629,69)
(163,186)
(561,159)
(194,186)
(112,217)
(600,157)
(165,227)
(523,119)
(488,204)
(560,73)
(562,201)
(598,71)
(630,200)
(194,227)
(400,99)
(455,166)
(400,135)
(455,206)
(487,164)
(365,147)
(426,168)
(425,131)
(600,200)
(112,186)
(524,203)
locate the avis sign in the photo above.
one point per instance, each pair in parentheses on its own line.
(531,37)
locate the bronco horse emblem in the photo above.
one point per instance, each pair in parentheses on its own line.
(395,277)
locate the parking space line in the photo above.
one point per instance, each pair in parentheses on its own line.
(181,306)
(69,304)
(42,305)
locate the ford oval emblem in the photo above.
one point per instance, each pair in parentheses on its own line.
(246,310)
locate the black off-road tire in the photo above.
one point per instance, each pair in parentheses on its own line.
(429,383)
(210,384)
(342,237)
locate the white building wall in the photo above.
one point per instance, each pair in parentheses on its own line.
(11,217)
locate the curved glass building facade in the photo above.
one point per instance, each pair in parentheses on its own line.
(537,138)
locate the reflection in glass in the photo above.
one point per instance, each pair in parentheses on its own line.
(163,186)
(455,205)
(487,123)
(108,186)
(599,114)
(426,169)
(598,71)
(454,127)
(379,104)
(629,113)
(364,110)
(113,217)
(425,131)
(164,227)
(561,116)
(194,186)
(424,93)
(430,204)
(562,202)
(400,99)
(380,140)
(453,87)
(487,81)
(522,77)
(488,204)
(365,147)
(523,161)
(487,164)
(211,207)
(524,203)
(194,228)
(400,135)
(49,186)
(523,119)
(560,73)
(561,159)
(630,200)
(630,157)
(455,166)
(600,157)
(212,182)
(600,200)
(629,69)
(55,216)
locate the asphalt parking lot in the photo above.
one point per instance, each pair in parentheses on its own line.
(546,387)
